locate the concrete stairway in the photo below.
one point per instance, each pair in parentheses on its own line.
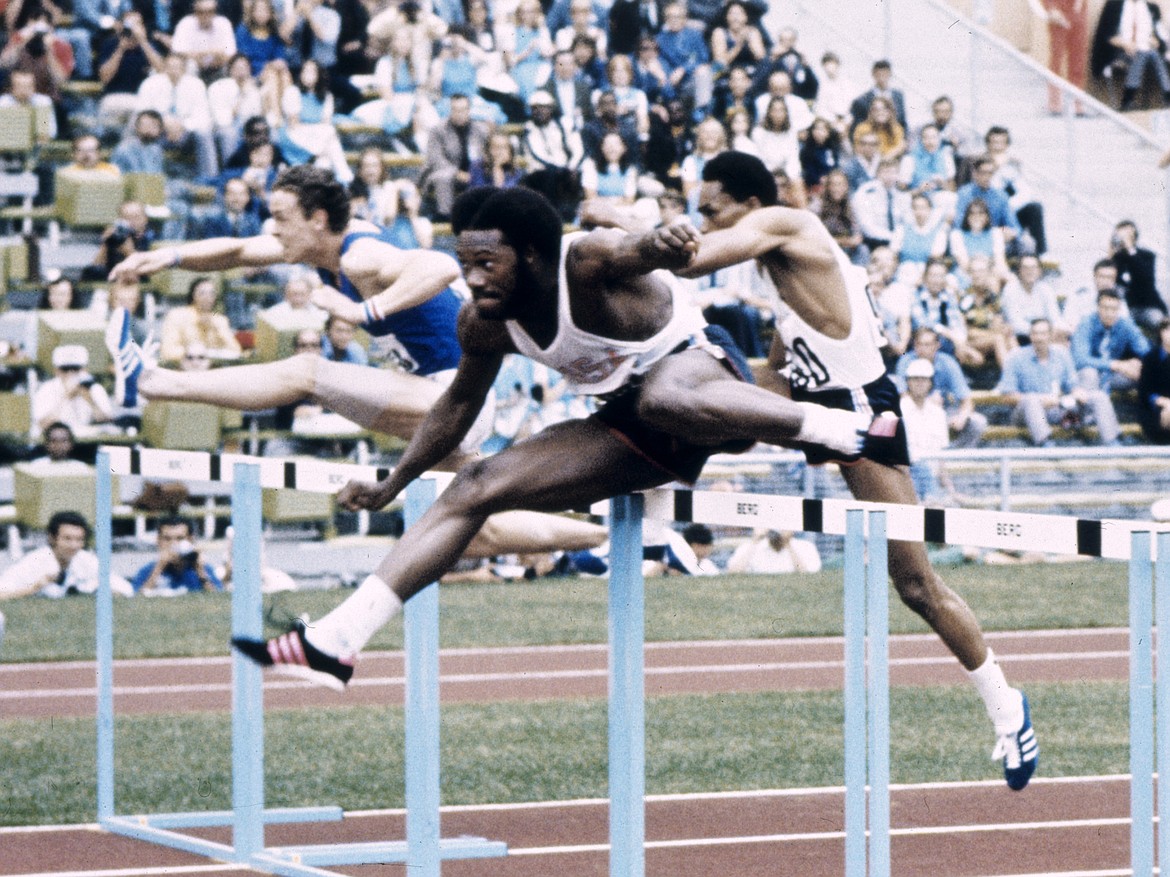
(1089,171)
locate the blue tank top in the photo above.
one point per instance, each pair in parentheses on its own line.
(426,331)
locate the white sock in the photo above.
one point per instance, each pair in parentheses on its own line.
(832,427)
(1005,705)
(345,631)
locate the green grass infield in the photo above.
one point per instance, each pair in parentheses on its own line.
(549,750)
(573,610)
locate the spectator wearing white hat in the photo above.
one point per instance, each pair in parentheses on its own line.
(72,396)
(548,141)
(926,428)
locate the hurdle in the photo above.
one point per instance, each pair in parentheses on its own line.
(866,527)
(423,850)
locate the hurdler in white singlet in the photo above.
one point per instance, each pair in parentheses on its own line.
(595,366)
(817,362)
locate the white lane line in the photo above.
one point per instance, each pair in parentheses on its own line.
(589,648)
(664,798)
(803,792)
(796,837)
(520,676)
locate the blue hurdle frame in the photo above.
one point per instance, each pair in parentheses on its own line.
(867,816)
(1149,694)
(423,851)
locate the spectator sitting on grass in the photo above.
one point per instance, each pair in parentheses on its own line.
(775,551)
(179,567)
(61,568)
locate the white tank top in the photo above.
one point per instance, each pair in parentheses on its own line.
(817,362)
(594,366)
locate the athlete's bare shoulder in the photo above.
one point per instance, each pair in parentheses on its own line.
(768,233)
(480,336)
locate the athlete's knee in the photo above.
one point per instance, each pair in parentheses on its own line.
(302,370)
(480,487)
(919,590)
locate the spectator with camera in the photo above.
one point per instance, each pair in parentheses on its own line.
(129,234)
(1137,276)
(179,567)
(62,568)
(34,47)
(126,55)
(1041,382)
(72,396)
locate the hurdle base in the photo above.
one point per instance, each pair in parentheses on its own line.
(384,853)
(288,861)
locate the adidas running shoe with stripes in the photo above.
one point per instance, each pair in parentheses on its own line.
(127,357)
(293,655)
(1020,752)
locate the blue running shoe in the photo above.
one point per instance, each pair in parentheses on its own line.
(127,357)
(1020,752)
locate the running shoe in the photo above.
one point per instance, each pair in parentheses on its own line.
(293,655)
(1020,752)
(127,356)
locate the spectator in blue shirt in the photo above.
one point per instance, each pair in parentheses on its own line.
(950,384)
(1002,215)
(685,55)
(179,567)
(1041,381)
(1108,347)
(237,215)
(338,342)
(141,151)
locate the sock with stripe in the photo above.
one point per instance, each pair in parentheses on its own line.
(345,631)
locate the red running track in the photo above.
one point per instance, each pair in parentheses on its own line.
(540,672)
(939,830)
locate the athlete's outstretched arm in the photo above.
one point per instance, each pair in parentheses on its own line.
(798,234)
(608,255)
(406,277)
(449,419)
(213,254)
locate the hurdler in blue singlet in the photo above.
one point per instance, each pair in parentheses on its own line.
(426,331)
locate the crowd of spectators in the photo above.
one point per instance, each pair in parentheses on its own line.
(612,111)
